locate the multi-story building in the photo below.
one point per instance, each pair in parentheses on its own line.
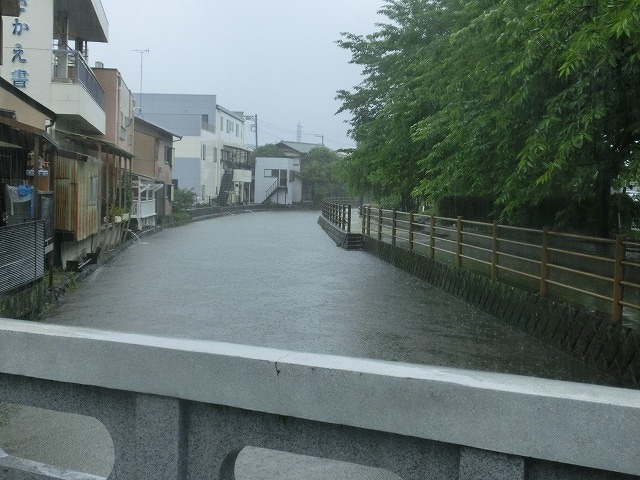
(152,174)
(298,152)
(212,146)
(45,52)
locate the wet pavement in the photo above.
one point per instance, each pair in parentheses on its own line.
(276,279)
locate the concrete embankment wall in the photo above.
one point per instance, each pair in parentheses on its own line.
(610,348)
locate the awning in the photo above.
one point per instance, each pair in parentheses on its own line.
(99,144)
(9,145)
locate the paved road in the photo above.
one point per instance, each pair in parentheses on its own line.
(275,279)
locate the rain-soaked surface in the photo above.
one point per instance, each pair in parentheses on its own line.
(272,279)
(276,279)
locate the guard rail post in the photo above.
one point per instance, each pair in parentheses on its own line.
(459,242)
(432,238)
(411,232)
(618,276)
(544,262)
(494,253)
(393,227)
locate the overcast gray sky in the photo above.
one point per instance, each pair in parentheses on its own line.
(274,58)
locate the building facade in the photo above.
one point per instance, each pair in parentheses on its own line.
(277,180)
(45,51)
(152,174)
(212,144)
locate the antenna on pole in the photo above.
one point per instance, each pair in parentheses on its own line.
(141,52)
(254,127)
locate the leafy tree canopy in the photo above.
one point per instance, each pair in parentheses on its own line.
(320,171)
(521,100)
(267,150)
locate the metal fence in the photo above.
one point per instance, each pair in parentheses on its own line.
(600,273)
(22,254)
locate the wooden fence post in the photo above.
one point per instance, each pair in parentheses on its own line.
(348,218)
(369,221)
(544,262)
(459,242)
(495,259)
(393,227)
(411,232)
(432,238)
(618,277)
(379,223)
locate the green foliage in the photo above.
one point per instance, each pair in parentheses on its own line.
(521,101)
(320,171)
(267,150)
(183,200)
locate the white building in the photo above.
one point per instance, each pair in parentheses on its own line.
(212,145)
(277,180)
(44,55)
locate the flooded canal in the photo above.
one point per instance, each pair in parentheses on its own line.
(276,279)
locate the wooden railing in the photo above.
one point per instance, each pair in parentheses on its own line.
(601,273)
(338,212)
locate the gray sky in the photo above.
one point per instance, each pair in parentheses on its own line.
(274,58)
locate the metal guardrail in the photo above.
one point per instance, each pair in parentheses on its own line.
(582,269)
(70,66)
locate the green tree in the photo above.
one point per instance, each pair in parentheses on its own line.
(525,101)
(183,199)
(267,150)
(320,174)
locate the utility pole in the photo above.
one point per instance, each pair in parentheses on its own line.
(321,136)
(254,127)
(141,52)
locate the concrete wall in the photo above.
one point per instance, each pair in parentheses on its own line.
(610,348)
(201,402)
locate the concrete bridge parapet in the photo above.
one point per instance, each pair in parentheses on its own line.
(183,409)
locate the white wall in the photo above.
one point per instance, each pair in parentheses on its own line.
(262,183)
(37,46)
(226,137)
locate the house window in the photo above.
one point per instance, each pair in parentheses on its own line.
(204,152)
(93,190)
(237,130)
(271,173)
(168,156)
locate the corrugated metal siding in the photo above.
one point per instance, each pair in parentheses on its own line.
(21,254)
(74,212)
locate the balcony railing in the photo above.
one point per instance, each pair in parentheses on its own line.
(143,208)
(70,67)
